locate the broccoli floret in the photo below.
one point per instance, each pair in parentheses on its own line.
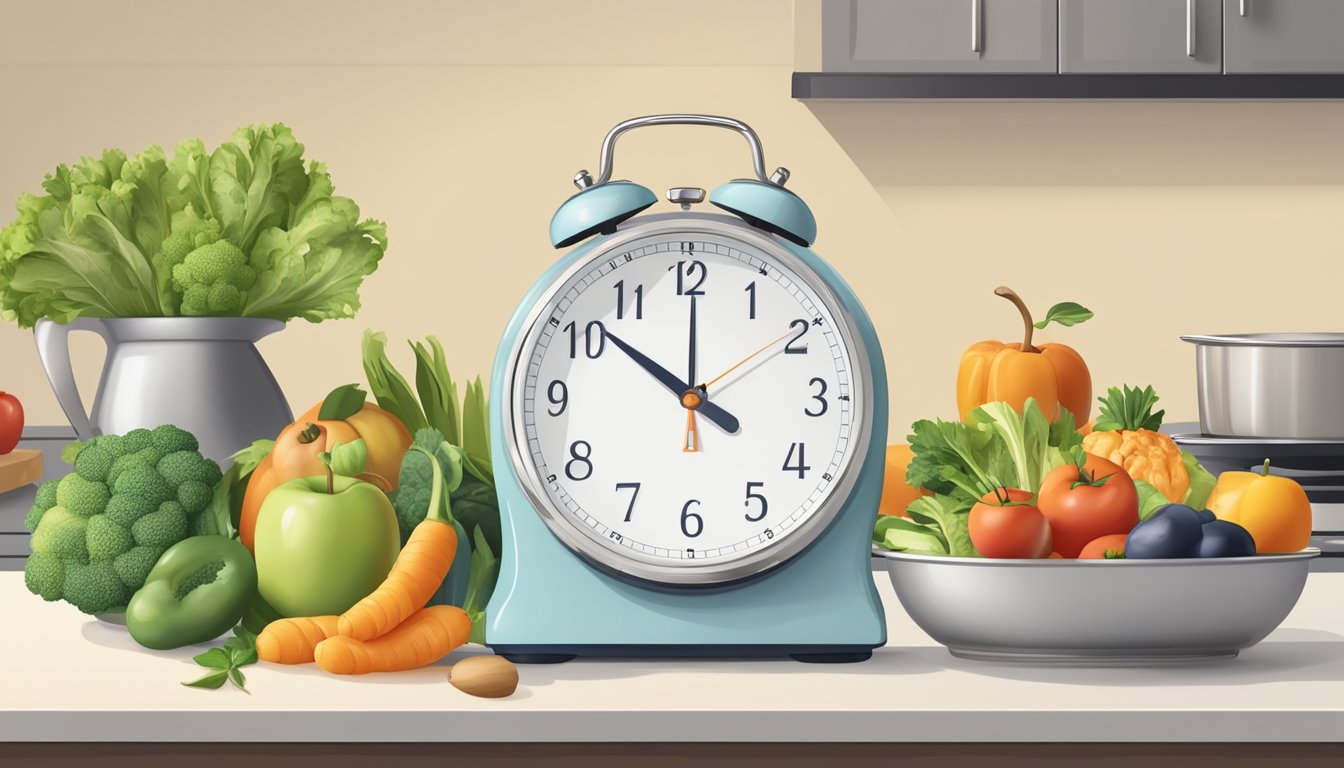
(181,466)
(173,252)
(134,565)
(81,497)
(106,539)
(94,462)
(61,535)
(194,496)
(45,576)
(124,509)
(99,530)
(112,444)
(136,440)
(45,499)
(162,528)
(205,575)
(95,587)
(169,439)
(214,279)
(144,483)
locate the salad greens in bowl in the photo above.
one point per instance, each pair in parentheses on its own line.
(246,229)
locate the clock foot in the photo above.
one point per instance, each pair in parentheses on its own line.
(832,658)
(539,658)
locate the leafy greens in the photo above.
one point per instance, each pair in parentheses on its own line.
(257,235)
(960,462)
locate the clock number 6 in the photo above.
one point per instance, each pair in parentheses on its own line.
(584,460)
(687,514)
(819,397)
(765,506)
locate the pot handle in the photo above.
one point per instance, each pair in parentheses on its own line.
(53,349)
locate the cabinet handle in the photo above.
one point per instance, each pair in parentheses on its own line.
(1190,28)
(977,25)
(1244,8)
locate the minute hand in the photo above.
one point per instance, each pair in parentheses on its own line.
(725,421)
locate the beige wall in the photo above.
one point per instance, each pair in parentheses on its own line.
(460,124)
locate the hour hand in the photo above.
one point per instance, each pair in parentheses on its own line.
(724,420)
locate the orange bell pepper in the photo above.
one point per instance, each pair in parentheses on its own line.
(1053,374)
(1274,509)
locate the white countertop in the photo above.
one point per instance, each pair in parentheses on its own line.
(67,677)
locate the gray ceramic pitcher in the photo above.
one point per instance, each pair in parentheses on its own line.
(203,374)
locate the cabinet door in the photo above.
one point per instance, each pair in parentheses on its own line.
(939,36)
(1284,35)
(1183,36)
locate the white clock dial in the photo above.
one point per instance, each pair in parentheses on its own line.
(688,401)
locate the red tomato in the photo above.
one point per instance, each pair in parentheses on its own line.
(1009,529)
(11,422)
(1104,503)
(1097,548)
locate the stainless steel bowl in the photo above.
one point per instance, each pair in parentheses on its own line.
(1283,385)
(1098,612)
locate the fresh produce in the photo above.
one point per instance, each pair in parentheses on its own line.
(1126,433)
(1087,499)
(419,569)
(1225,539)
(427,636)
(896,493)
(323,543)
(259,615)
(1053,375)
(1005,524)
(292,641)
(11,422)
(197,590)
(225,512)
(241,230)
(1274,509)
(960,462)
(99,530)
(489,677)
(1108,547)
(435,419)
(226,664)
(342,417)
(1173,531)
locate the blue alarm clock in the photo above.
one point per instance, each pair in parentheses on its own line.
(689,432)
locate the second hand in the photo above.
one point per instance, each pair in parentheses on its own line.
(705,387)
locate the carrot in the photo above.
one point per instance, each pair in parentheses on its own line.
(417,574)
(291,641)
(427,636)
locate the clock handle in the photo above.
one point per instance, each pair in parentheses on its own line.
(715,121)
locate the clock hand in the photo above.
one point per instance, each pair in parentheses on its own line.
(691,443)
(705,387)
(726,421)
(690,377)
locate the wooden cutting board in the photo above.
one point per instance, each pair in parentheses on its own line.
(19,468)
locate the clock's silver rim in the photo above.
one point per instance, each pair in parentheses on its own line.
(587,544)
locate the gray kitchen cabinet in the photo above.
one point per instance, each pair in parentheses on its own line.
(976,36)
(1141,36)
(1283,36)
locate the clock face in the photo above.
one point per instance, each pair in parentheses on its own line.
(687,404)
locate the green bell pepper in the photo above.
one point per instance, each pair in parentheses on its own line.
(196,592)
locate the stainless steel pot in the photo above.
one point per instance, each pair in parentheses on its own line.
(1281,385)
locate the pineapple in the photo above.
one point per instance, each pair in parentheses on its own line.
(1126,434)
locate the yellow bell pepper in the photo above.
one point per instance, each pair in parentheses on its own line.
(1274,509)
(1054,374)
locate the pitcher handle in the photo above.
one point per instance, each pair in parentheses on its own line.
(53,349)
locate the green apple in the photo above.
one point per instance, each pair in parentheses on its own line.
(318,551)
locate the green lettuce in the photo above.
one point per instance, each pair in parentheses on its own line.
(105,238)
